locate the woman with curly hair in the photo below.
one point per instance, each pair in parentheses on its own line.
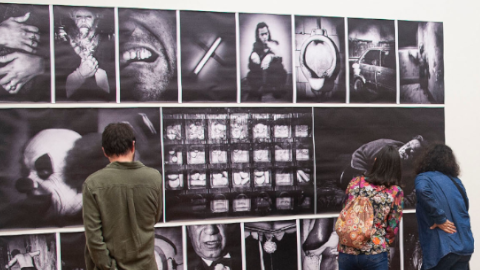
(442,211)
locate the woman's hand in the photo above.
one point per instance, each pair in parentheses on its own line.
(447,227)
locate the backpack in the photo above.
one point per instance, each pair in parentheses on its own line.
(354,226)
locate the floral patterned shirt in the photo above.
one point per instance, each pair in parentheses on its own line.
(388,209)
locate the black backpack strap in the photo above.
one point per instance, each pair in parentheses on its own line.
(461,192)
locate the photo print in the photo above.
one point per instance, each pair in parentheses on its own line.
(372,61)
(320,59)
(420,53)
(319,242)
(72,247)
(25,53)
(84,47)
(34,251)
(214,246)
(209,56)
(411,243)
(235,162)
(148,55)
(47,157)
(271,245)
(347,140)
(266,58)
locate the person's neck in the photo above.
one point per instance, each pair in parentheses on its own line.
(121,158)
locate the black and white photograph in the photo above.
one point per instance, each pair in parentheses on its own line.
(348,139)
(72,249)
(319,242)
(372,61)
(169,248)
(214,246)
(320,59)
(420,53)
(266,58)
(229,162)
(33,251)
(24,53)
(411,243)
(47,157)
(209,56)
(84,45)
(271,245)
(148,55)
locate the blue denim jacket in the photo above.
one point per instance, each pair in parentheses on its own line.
(438,199)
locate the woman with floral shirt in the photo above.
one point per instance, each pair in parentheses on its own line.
(381,186)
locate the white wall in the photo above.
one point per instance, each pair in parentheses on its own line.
(462,42)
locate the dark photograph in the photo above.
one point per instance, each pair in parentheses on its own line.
(35,251)
(320,59)
(266,58)
(411,243)
(214,247)
(271,245)
(209,56)
(24,53)
(84,45)
(237,162)
(319,242)
(148,55)
(420,53)
(72,247)
(348,139)
(47,157)
(372,61)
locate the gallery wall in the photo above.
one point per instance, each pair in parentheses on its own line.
(460,82)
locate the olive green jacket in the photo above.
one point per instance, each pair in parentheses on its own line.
(121,204)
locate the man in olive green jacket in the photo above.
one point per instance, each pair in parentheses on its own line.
(121,204)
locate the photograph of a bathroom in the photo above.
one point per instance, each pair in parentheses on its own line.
(372,62)
(420,53)
(320,59)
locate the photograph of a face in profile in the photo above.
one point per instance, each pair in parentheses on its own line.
(209,56)
(24,53)
(420,53)
(84,47)
(148,55)
(320,61)
(31,251)
(266,58)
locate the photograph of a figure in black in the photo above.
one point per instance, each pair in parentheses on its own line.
(35,251)
(412,249)
(266,58)
(209,56)
(84,54)
(420,53)
(348,139)
(320,65)
(319,244)
(214,247)
(148,55)
(271,245)
(47,157)
(372,61)
(24,53)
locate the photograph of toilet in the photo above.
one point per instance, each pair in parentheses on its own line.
(420,53)
(320,59)
(372,61)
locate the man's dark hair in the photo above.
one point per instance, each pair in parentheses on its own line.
(262,25)
(117,139)
(387,168)
(438,157)
(15,252)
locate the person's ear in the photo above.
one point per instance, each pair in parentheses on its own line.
(104,153)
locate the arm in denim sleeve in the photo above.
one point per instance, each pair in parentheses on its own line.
(394,217)
(427,201)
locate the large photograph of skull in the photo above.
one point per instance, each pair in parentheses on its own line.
(148,55)
(48,153)
(31,251)
(420,53)
(265,57)
(372,61)
(347,140)
(320,59)
(84,44)
(24,53)
(233,162)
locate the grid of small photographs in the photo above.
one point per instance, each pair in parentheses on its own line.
(265,68)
